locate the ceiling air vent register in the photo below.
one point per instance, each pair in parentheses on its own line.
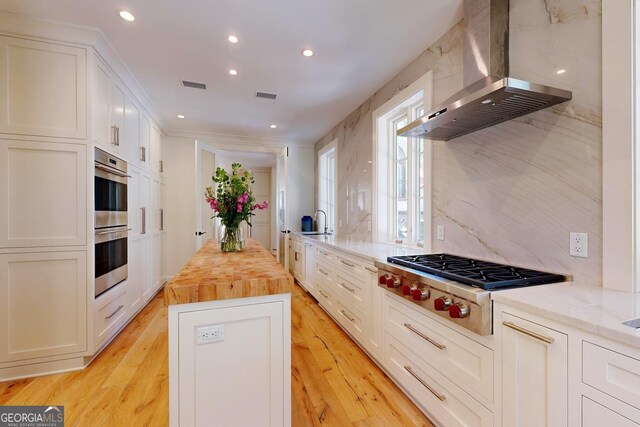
(266,95)
(195,85)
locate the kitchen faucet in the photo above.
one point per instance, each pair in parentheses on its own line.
(315,216)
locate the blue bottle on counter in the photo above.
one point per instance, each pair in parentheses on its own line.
(307,223)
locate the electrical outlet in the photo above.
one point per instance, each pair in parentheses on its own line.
(210,333)
(579,244)
(440,232)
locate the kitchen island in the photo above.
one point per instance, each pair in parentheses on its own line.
(229,339)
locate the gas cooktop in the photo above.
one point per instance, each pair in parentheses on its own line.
(481,274)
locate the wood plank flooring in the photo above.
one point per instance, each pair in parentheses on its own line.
(333,382)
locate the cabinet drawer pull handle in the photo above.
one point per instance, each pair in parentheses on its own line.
(161,219)
(113,135)
(295,256)
(143,153)
(323,272)
(371,269)
(548,340)
(353,291)
(351,319)
(323,252)
(117,136)
(440,397)
(323,294)
(348,264)
(143,212)
(114,313)
(421,335)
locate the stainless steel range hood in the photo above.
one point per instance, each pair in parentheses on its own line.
(492,99)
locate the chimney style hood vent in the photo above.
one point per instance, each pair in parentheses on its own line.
(494,98)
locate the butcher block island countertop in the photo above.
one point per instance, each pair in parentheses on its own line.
(211,275)
(230,321)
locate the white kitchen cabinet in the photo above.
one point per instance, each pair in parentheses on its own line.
(434,391)
(108,111)
(43,88)
(155,160)
(374,339)
(534,373)
(43,304)
(43,194)
(309,282)
(144,141)
(111,312)
(243,379)
(597,415)
(466,362)
(131,130)
(298,260)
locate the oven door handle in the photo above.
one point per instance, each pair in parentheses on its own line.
(115,230)
(112,170)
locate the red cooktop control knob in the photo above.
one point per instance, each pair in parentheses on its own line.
(441,304)
(407,289)
(420,294)
(458,310)
(393,282)
(383,279)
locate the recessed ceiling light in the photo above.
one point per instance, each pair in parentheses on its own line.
(181,116)
(233,72)
(307,52)
(487,101)
(232,39)
(369,162)
(561,71)
(273,126)
(127,16)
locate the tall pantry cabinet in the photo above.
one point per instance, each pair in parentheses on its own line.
(57,100)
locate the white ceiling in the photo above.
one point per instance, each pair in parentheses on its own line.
(359,46)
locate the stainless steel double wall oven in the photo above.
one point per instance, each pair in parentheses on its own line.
(110,186)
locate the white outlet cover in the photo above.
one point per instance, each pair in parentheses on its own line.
(209,334)
(579,245)
(440,232)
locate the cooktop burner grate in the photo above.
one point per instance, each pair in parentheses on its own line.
(482,274)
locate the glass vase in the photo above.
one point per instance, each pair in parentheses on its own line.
(232,239)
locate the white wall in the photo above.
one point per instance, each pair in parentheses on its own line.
(300,184)
(180,218)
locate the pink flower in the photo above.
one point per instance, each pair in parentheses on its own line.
(244,198)
(263,205)
(239,207)
(213,203)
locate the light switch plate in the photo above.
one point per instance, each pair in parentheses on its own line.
(440,232)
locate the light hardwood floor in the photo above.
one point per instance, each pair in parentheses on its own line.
(333,382)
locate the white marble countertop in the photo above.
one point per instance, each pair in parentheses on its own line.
(370,250)
(592,309)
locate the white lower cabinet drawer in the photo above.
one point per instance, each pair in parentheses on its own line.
(352,321)
(110,313)
(613,373)
(597,415)
(465,361)
(353,291)
(444,400)
(324,273)
(326,297)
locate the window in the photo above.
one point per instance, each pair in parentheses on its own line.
(402,209)
(327,171)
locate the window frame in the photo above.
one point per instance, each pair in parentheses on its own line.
(327,152)
(408,101)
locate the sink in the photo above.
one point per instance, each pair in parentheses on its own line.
(634,323)
(315,233)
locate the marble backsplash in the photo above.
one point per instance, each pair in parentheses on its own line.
(512,192)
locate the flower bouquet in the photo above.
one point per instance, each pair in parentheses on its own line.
(233,203)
